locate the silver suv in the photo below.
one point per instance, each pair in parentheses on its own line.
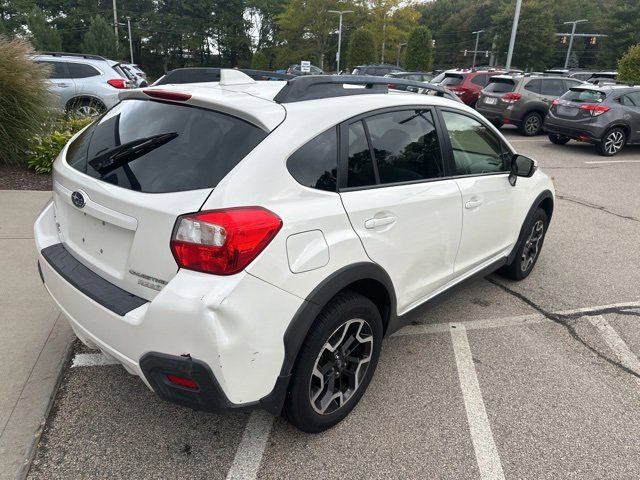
(521,100)
(86,85)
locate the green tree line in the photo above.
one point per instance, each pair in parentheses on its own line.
(272,34)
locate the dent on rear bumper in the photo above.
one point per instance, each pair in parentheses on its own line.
(234,324)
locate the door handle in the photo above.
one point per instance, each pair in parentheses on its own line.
(63,85)
(379,222)
(473,203)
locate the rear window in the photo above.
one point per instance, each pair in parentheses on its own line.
(315,164)
(452,80)
(158,147)
(500,85)
(190,75)
(582,95)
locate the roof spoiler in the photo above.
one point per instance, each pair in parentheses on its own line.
(312,87)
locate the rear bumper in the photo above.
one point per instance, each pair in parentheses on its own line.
(227,331)
(496,115)
(584,132)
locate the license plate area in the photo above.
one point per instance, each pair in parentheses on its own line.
(98,242)
(491,101)
(567,111)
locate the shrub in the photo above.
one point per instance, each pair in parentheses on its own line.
(361,48)
(45,148)
(629,66)
(419,50)
(25,101)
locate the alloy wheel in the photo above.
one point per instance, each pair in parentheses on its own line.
(614,142)
(340,366)
(532,124)
(87,111)
(532,246)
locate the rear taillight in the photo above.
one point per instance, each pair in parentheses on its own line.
(555,102)
(223,242)
(459,90)
(595,110)
(511,97)
(392,85)
(118,83)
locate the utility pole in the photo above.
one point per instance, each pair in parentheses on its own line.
(573,32)
(130,41)
(400,45)
(115,22)
(514,31)
(384,34)
(341,13)
(475,50)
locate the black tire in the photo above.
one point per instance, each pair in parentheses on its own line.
(558,139)
(526,258)
(347,308)
(85,107)
(531,124)
(612,142)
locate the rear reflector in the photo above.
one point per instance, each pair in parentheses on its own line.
(183,382)
(168,95)
(595,110)
(223,242)
(119,83)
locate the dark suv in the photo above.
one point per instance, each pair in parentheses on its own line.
(378,70)
(608,117)
(467,83)
(522,100)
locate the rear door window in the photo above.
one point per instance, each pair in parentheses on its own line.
(315,164)
(360,170)
(553,87)
(58,69)
(159,147)
(406,146)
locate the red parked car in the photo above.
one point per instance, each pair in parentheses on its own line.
(467,83)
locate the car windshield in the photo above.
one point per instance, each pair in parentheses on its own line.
(500,85)
(584,95)
(157,147)
(451,80)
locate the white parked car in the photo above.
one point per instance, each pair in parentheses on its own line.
(244,243)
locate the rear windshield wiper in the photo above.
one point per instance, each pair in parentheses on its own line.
(123,154)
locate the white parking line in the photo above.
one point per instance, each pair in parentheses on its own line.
(616,344)
(254,441)
(485,448)
(614,161)
(92,360)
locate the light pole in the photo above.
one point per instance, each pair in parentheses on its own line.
(475,50)
(115,22)
(400,45)
(573,32)
(514,30)
(341,13)
(384,34)
(130,41)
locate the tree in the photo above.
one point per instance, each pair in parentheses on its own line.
(43,36)
(361,48)
(259,61)
(629,66)
(100,39)
(622,23)
(420,50)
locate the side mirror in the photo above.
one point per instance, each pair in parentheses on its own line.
(521,166)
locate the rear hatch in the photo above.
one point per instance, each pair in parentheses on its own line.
(454,81)
(578,104)
(493,94)
(127,177)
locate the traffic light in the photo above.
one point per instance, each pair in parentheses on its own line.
(593,40)
(465,53)
(563,39)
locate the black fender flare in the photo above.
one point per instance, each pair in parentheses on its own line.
(307,313)
(542,197)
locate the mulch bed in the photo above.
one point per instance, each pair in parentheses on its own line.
(20,178)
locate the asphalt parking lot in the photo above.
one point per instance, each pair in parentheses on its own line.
(531,380)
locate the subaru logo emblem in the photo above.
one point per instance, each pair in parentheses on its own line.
(78,199)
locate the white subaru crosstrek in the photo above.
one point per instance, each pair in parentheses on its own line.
(241,243)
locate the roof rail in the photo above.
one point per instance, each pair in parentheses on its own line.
(312,87)
(80,55)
